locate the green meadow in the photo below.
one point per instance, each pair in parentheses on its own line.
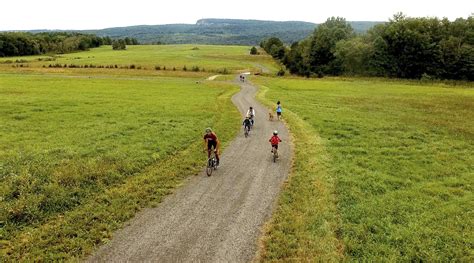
(205,57)
(384,171)
(80,155)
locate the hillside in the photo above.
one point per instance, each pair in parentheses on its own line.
(219,31)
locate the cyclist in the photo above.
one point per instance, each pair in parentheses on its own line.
(251,114)
(247,123)
(278,110)
(211,140)
(274,140)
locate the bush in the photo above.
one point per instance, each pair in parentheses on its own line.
(281,73)
(223,71)
(253,51)
(157,67)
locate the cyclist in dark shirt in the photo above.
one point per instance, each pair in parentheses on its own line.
(211,141)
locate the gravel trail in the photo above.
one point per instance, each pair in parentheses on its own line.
(217,218)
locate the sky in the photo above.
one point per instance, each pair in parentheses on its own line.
(97,14)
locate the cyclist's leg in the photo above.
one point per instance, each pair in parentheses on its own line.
(209,149)
(214,145)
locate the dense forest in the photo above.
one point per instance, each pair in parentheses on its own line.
(214,31)
(219,32)
(404,47)
(23,43)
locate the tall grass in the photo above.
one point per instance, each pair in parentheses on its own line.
(80,156)
(401,157)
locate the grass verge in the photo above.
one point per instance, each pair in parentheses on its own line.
(305,224)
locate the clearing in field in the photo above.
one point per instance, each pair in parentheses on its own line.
(384,171)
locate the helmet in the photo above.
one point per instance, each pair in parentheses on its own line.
(275,132)
(208,130)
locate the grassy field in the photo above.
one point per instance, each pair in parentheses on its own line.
(207,57)
(384,171)
(80,155)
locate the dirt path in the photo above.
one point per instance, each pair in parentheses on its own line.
(213,77)
(217,218)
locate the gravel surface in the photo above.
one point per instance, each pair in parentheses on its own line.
(217,218)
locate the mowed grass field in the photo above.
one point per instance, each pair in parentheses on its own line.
(79,155)
(208,57)
(384,171)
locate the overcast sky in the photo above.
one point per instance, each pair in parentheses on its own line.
(97,14)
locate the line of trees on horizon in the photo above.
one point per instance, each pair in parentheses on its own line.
(404,47)
(25,43)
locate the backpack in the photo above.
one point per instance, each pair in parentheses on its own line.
(274,140)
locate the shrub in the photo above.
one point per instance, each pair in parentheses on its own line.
(223,71)
(253,51)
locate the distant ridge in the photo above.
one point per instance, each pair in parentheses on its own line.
(217,31)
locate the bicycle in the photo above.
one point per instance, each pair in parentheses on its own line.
(211,163)
(275,154)
(246,131)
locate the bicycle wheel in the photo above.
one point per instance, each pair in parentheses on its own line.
(275,155)
(209,167)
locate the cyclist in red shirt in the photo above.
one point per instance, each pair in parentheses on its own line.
(274,140)
(211,140)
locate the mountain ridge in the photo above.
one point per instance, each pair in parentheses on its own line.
(216,31)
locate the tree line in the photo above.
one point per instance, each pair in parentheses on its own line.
(24,43)
(404,47)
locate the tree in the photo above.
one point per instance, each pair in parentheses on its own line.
(119,44)
(274,47)
(253,51)
(323,43)
(353,55)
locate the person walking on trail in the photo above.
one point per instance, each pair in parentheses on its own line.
(251,114)
(212,143)
(279,110)
(275,140)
